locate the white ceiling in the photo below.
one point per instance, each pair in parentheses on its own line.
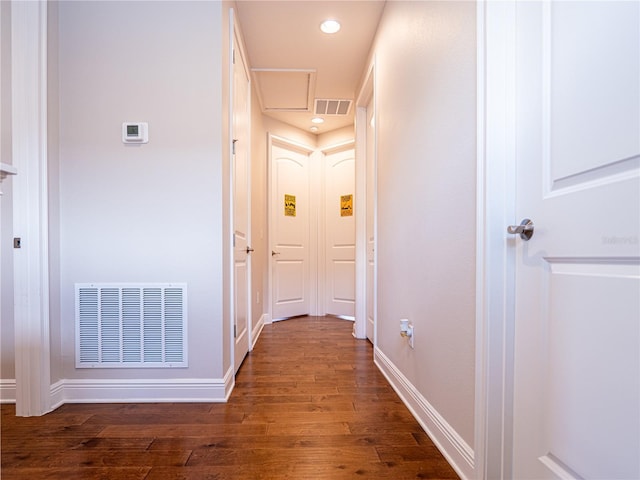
(294,63)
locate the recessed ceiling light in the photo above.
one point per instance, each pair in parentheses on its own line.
(317,120)
(330,26)
(314,129)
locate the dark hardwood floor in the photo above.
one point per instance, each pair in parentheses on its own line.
(308,404)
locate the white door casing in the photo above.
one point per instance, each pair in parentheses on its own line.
(30,207)
(289,229)
(339,177)
(577,362)
(365,214)
(370,221)
(241,202)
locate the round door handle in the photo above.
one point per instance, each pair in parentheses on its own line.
(525,229)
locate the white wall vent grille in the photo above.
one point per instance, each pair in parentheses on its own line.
(131,325)
(326,106)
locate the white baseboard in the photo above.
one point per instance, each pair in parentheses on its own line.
(257,329)
(457,452)
(8,390)
(142,390)
(131,390)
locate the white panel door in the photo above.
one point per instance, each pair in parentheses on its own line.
(241,202)
(577,330)
(340,233)
(289,232)
(370,221)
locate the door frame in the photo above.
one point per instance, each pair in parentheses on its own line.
(236,41)
(366,94)
(495,261)
(313,254)
(30,208)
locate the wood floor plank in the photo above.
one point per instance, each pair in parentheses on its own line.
(308,404)
(95,458)
(74,473)
(282,456)
(284,441)
(125,431)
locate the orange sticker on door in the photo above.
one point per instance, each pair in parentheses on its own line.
(289,205)
(346,206)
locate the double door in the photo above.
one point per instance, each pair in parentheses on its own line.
(312,230)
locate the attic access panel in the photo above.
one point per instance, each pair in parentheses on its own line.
(285,90)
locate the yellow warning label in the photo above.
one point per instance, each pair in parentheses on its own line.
(346,206)
(289,205)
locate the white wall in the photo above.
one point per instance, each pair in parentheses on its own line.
(53,171)
(154,212)
(335,137)
(426,88)
(7,363)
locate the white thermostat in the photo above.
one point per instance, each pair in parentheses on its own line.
(135,132)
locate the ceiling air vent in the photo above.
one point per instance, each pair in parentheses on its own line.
(332,106)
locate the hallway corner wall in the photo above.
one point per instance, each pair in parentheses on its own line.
(335,137)
(425,55)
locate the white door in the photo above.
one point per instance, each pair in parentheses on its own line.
(241,202)
(370,220)
(289,231)
(577,322)
(340,233)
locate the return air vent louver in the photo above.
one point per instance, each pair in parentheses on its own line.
(324,106)
(131,325)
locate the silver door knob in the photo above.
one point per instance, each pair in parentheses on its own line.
(525,229)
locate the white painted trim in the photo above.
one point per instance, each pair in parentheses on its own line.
(142,390)
(495,262)
(452,446)
(317,237)
(291,144)
(338,147)
(8,390)
(231,232)
(30,217)
(367,92)
(57,394)
(257,330)
(6,169)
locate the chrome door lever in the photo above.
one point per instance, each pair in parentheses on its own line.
(525,229)
(249,250)
(273,253)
